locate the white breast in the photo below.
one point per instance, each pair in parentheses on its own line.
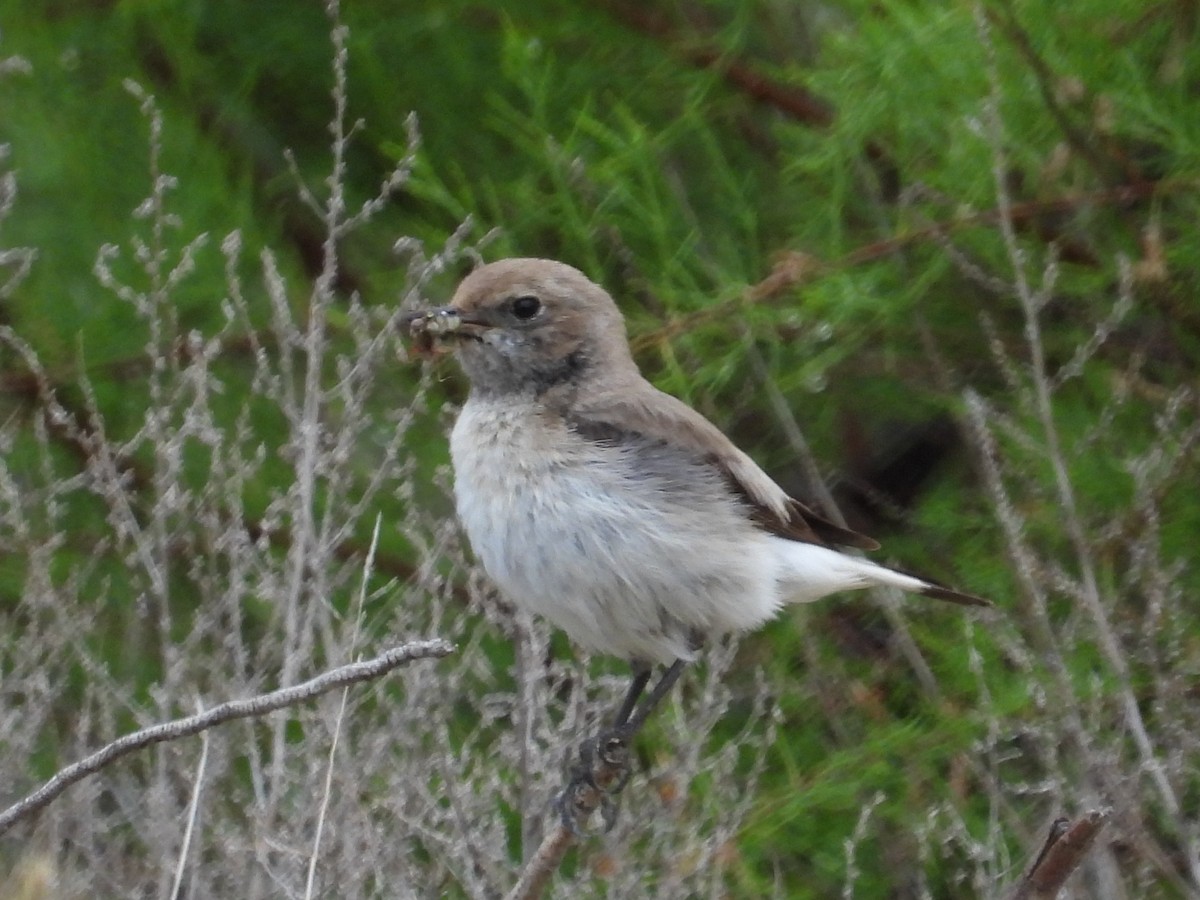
(620,558)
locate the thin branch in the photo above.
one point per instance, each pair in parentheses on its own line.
(545,862)
(852,843)
(1066,846)
(1046,78)
(303,191)
(582,803)
(1032,301)
(792,100)
(218,715)
(193,815)
(794,269)
(368,567)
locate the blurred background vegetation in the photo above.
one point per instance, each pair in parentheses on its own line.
(798,209)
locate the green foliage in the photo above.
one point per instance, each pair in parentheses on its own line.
(591,135)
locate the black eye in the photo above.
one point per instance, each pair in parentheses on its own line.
(526,308)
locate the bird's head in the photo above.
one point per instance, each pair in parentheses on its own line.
(524,326)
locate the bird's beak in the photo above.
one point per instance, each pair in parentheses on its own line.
(431,330)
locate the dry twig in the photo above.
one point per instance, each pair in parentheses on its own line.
(582,802)
(1066,845)
(218,715)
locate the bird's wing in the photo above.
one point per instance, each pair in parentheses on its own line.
(643,412)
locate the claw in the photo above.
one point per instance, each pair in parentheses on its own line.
(612,750)
(603,770)
(594,782)
(567,806)
(580,799)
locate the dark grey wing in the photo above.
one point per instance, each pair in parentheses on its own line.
(803,524)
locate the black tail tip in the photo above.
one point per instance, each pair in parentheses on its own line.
(953,596)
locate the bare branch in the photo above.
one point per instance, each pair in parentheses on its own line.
(1066,845)
(361,602)
(193,815)
(581,802)
(351,673)
(541,868)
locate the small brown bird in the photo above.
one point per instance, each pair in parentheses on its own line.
(612,509)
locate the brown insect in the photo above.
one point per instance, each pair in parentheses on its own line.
(427,327)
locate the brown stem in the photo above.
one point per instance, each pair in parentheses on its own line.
(794,101)
(794,268)
(582,801)
(1066,845)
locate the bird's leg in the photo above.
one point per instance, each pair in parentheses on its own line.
(641,677)
(611,746)
(603,768)
(635,723)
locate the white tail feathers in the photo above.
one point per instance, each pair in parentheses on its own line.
(810,572)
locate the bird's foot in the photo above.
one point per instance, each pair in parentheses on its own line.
(595,780)
(607,754)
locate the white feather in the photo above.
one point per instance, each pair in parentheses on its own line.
(634,556)
(810,572)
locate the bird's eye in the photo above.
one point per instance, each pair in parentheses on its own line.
(526,308)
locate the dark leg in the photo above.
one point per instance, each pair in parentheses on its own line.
(641,677)
(603,767)
(634,725)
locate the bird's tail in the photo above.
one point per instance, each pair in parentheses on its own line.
(960,597)
(915,585)
(812,572)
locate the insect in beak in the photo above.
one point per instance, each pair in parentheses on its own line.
(431,330)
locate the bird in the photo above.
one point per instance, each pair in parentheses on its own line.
(608,507)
